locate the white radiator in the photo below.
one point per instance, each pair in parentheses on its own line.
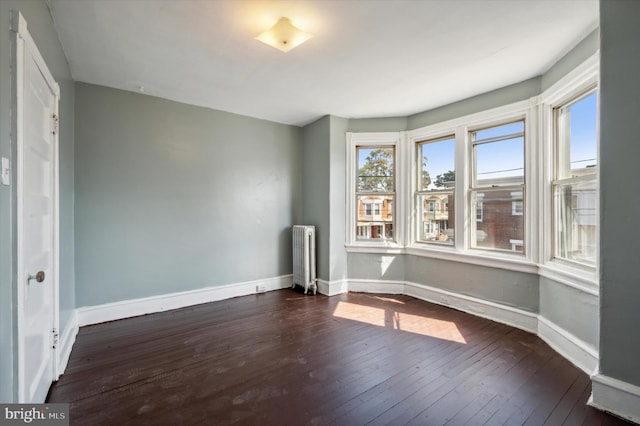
(304,257)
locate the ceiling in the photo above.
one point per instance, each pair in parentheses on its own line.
(368,58)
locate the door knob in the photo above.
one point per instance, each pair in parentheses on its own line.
(39,277)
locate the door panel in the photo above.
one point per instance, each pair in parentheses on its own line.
(36,158)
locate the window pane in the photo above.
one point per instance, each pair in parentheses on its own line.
(495,226)
(437,164)
(500,163)
(375,169)
(375,217)
(504,130)
(499,155)
(436,217)
(578,137)
(576,221)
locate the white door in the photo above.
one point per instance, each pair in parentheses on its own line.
(37,106)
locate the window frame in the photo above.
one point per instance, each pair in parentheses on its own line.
(572,86)
(419,193)
(460,127)
(476,188)
(373,140)
(558,181)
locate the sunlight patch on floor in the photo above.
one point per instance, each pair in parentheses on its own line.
(391,318)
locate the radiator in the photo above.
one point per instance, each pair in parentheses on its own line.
(304,257)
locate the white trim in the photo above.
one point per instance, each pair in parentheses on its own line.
(376,286)
(353,140)
(491,116)
(88,315)
(25,43)
(616,397)
(332,288)
(514,317)
(67,340)
(379,249)
(580,353)
(580,280)
(578,79)
(461,127)
(572,84)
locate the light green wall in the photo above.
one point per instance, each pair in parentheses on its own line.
(316,191)
(619,179)
(41,28)
(323,193)
(337,201)
(515,289)
(573,310)
(390,124)
(172,197)
(580,53)
(373,266)
(496,98)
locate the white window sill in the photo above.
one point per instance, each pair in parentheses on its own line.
(583,279)
(380,248)
(492,260)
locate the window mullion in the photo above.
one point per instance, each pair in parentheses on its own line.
(462,185)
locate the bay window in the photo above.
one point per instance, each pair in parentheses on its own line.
(513,187)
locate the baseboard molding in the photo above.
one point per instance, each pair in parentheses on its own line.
(130,308)
(332,288)
(514,317)
(504,314)
(569,346)
(376,286)
(68,338)
(616,397)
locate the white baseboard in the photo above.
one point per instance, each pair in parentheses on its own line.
(569,346)
(88,315)
(332,288)
(376,286)
(67,339)
(514,317)
(616,397)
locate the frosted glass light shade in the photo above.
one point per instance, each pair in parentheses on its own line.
(284,35)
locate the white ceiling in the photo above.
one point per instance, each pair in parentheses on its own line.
(368,58)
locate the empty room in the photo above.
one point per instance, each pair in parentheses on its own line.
(319,212)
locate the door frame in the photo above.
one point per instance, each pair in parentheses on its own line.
(25,45)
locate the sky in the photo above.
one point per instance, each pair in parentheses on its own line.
(584,130)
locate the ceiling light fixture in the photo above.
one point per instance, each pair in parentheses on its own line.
(284,35)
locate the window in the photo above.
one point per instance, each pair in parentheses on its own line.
(517,207)
(479,207)
(497,181)
(435,190)
(375,188)
(574,188)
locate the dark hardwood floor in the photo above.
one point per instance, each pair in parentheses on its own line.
(283,358)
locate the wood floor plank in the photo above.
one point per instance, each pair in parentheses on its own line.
(291,359)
